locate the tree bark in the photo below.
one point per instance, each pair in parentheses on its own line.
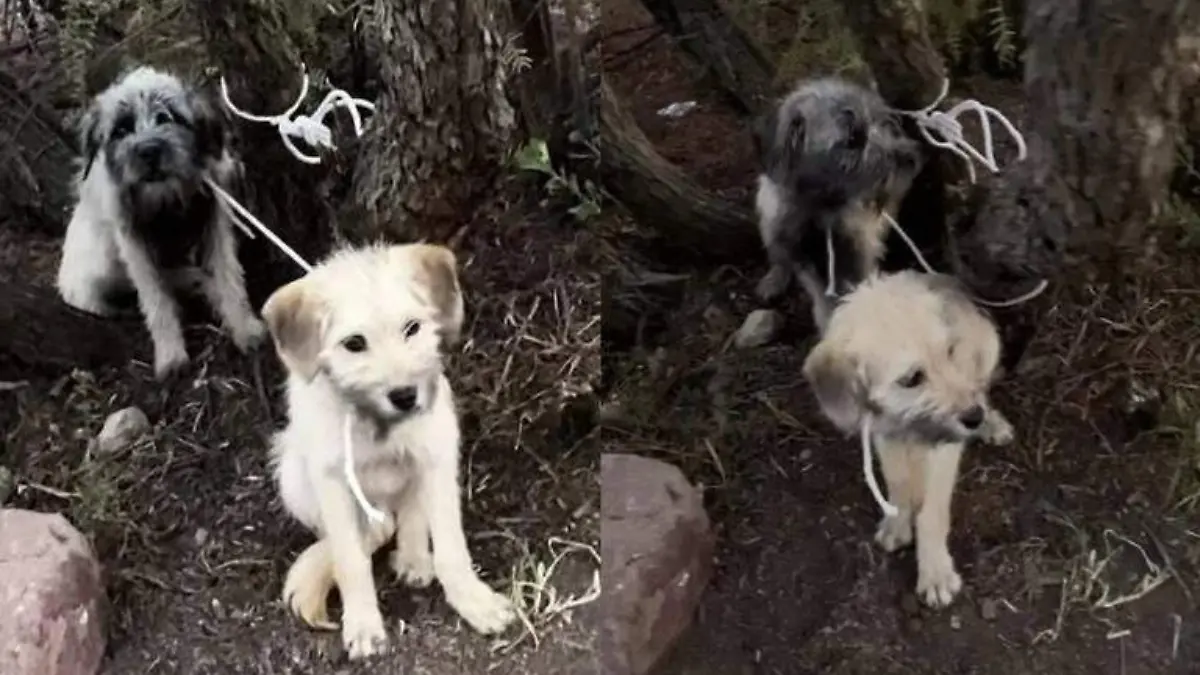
(443,123)
(661,196)
(1103,82)
(41,334)
(709,35)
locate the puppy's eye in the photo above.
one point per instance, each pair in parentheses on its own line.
(163,117)
(411,328)
(913,379)
(123,127)
(355,343)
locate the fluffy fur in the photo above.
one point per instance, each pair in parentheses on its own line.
(912,351)
(145,222)
(833,158)
(360,338)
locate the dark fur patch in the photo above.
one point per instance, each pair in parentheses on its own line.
(177,234)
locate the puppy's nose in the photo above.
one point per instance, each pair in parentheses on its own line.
(404,398)
(151,151)
(972,418)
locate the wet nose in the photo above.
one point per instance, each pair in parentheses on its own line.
(972,418)
(403,398)
(151,152)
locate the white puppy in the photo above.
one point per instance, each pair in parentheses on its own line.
(915,355)
(360,338)
(146,222)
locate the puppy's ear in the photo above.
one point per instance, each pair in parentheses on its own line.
(835,381)
(88,130)
(209,126)
(293,315)
(438,271)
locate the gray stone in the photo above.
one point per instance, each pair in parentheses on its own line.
(121,430)
(759,328)
(52,595)
(657,548)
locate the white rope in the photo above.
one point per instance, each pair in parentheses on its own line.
(312,129)
(950,130)
(831,287)
(887,507)
(1042,285)
(352,478)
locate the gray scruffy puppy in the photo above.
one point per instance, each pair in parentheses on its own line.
(145,219)
(834,159)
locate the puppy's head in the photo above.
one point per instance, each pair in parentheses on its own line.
(831,134)
(912,351)
(371,320)
(154,136)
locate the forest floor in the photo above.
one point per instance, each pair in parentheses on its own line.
(1056,536)
(187,524)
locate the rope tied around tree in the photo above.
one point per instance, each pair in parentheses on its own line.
(313,130)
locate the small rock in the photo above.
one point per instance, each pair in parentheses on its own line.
(121,430)
(200,538)
(7,482)
(50,583)
(657,549)
(955,622)
(758,329)
(989,610)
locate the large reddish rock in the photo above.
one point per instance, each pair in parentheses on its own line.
(51,597)
(657,550)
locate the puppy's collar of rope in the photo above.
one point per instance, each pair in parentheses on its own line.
(352,477)
(887,507)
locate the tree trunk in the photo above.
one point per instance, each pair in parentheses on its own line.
(443,123)
(707,33)
(41,334)
(661,196)
(1103,82)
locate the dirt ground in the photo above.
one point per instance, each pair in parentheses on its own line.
(1056,536)
(187,524)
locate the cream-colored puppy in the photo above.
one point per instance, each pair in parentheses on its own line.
(360,336)
(915,355)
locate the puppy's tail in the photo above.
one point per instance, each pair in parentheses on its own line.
(307,586)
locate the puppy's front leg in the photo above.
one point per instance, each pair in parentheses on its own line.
(937,580)
(486,610)
(157,305)
(224,285)
(363,632)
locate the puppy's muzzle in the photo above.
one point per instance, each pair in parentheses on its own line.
(403,399)
(972,418)
(151,155)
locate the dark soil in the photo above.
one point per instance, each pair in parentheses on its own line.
(1043,529)
(188,527)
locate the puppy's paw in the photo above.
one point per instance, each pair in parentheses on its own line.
(895,532)
(363,633)
(413,566)
(169,359)
(937,580)
(484,609)
(248,333)
(773,284)
(998,430)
